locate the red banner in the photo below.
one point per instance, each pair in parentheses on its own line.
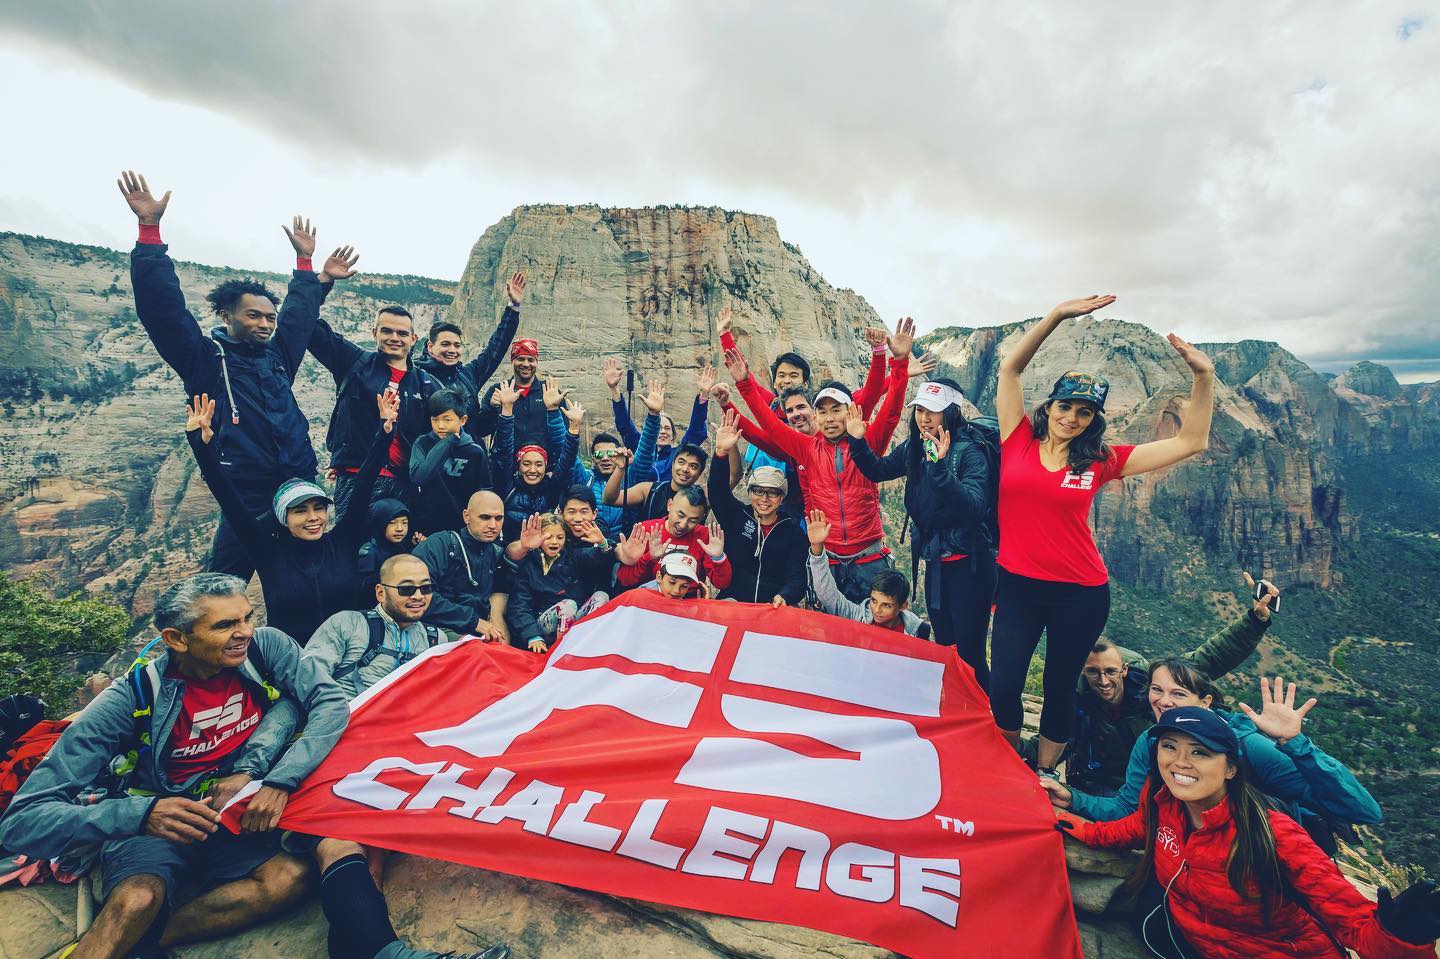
(773,764)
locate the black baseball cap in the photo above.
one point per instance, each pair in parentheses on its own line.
(1202,725)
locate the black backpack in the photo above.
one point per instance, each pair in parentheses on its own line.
(984,432)
(377,641)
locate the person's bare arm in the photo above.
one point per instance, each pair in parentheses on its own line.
(1009,396)
(1194,435)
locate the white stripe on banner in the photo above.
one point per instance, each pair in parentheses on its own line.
(865,677)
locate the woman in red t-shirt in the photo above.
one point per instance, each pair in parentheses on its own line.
(1052,579)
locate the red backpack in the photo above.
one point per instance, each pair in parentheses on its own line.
(27,752)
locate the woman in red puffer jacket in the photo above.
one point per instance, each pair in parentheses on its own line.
(1238,880)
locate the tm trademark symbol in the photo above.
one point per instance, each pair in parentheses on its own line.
(963,826)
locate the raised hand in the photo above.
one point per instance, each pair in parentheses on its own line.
(1261,607)
(553,395)
(876,336)
(506,396)
(854,421)
(531,533)
(1199,363)
(388,403)
(903,339)
(143,204)
(654,396)
(590,532)
(302,236)
(623,456)
(736,364)
(817,529)
(515,288)
(720,393)
(340,265)
(1413,916)
(942,442)
(610,369)
(704,382)
(631,548)
(728,435)
(722,322)
(574,415)
(1278,718)
(656,543)
(199,414)
(1081,307)
(714,547)
(923,365)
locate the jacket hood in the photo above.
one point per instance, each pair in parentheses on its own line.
(379,516)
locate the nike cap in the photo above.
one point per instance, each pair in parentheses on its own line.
(1201,724)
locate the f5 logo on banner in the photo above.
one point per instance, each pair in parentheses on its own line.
(779,765)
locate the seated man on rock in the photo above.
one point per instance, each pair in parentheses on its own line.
(357,650)
(183,735)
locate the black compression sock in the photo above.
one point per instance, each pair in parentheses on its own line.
(358,915)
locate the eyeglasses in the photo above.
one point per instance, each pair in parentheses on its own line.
(408,589)
(769,491)
(1110,673)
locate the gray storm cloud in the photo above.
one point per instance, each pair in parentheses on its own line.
(1269,168)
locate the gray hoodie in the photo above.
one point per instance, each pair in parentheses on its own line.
(834,602)
(44,821)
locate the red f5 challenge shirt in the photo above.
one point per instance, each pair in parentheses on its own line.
(216,716)
(1045,515)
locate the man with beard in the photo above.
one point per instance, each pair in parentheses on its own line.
(529,410)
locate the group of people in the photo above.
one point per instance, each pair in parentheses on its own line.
(455,506)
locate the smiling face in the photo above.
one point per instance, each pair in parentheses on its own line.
(603,456)
(1105,674)
(800,415)
(252,320)
(666,436)
(830,416)
(403,573)
(788,375)
(394,336)
(1166,693)
(685,470)
(524,367)
(928,422)
(307,520)
(397,529)
(576,513)
(220,638)
(1067,419)
(765,501)
(1194,773)
(531,467)
(445,347)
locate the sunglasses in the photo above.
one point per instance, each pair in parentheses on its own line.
(606,454)
(408,590)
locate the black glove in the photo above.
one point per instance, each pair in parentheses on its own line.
(1413,916)
(1064,825)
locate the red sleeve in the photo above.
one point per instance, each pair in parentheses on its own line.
(789,441)
(753,434)
(641,572)
(1116,464)
(150,234)
(880,434)
(727,342)
(1338,904)
(873,388)
(1127,833)
(718,573)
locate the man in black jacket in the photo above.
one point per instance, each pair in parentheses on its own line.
(529,409)
(470,572)
(248,364)
(445,343)
(361,375)
(766,547)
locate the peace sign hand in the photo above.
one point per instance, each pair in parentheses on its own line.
(1278,718)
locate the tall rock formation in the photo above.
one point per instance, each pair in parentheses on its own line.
(648,284)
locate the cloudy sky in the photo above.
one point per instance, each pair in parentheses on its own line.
(1230,170)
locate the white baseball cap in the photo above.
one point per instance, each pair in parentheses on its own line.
(936,397)
(680,563)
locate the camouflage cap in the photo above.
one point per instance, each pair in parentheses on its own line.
(1075,385)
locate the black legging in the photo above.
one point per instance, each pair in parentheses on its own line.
(1071,617)
(958,599)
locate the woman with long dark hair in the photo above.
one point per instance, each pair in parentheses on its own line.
(1052,579)
(1225,877)
(1281,760)
(947,498)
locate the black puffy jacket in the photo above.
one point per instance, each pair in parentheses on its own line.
(947,502)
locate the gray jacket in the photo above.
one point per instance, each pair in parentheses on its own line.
(343,638)
(44,821)
(834,602)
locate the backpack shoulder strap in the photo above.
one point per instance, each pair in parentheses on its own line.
(255,669)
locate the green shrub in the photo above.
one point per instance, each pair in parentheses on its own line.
(48,644)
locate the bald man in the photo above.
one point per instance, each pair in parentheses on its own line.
(468,569)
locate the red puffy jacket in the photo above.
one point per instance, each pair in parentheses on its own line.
(829,478)
(1222,925)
